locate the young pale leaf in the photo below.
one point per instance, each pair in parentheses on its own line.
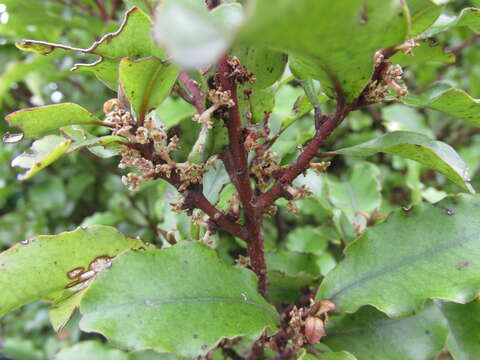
(214,181)
(39,268)
(370,335)
(146,82)
(133,40)
(454,102)
(429,251)
(43,153)
(193,36)
(333,42)
(433,154)
(38,121)
(464,325)
(181,300)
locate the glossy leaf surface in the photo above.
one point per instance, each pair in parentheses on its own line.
(433,154)
(429,251)
(370,335)
(38,121)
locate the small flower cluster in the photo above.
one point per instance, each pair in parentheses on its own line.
(307,324)
(391,75)
(266,166)
(218,98)
(150,133)
(239,73)
(296,194)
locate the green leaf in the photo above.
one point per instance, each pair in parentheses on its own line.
(43,153)
(133,40)
(370,335)
(147,6)
(307,239)
(425,53)
(359,195)
(146,82)
(38,121)
(172,111)
(193,36)
(289,272)
(402,117)
(92,350)
(429,251)
(62,309)
(266,65)
(423,14)
(180,300)
(469,17)
(38,268)
(341,355)
(433,154)
(331,42)
(453,102)
(464,325)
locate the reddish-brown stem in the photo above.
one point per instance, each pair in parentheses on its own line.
(196,199)
(197,98)
(211,4)
(236,163)
(457,50)
(309,152)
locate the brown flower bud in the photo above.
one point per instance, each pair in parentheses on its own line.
(314,329)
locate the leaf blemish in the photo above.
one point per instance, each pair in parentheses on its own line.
(463,265)
(149,303)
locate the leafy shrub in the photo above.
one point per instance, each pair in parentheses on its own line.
(240,179)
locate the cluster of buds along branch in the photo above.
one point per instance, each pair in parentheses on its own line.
(239,73)
(306,325)
(389,76)
(160,164)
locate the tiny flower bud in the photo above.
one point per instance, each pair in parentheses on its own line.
(314,329)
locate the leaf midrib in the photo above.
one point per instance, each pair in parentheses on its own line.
(159,301)
(403,262)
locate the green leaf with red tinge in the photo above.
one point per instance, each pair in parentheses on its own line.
(146,82)
(133,40)
(429,251)
(433,154)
